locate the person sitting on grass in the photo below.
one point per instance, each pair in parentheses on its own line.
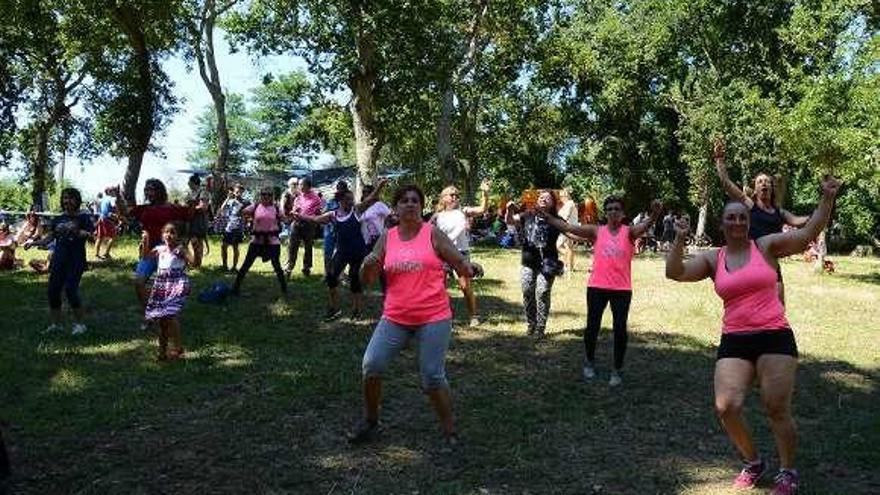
(170,289)
(153,216)
(757,343)
(69,231)
(350,248)
(610,280)
(266,218)
(7,248)
(416,307)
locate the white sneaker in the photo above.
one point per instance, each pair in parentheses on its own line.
(78,329)
(615,380)
(53,327)
(589,373)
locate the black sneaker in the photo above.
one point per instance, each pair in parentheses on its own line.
(332,314)
(364,431)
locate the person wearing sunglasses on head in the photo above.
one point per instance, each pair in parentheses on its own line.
(452,219)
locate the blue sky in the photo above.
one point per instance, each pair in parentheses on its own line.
(238,73)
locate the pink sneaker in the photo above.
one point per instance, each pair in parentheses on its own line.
(750,474)
(786,482)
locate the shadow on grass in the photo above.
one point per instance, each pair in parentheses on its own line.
(262,402)
(868,278)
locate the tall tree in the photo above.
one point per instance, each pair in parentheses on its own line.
(382,52)
(242,134)
(125,41)
(204,15)
(52,76)
(280,108)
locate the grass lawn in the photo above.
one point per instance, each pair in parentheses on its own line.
(261,402)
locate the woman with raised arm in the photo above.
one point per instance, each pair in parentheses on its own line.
(266,218)
(756,338)
(610,280)
(349,250)
(452,219)
(765,215)
(539,260)
(416,307)
(153,216)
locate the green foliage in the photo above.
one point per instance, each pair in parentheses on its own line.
(242,133)
(13,196)
(281,107)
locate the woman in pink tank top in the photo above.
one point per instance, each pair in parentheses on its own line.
(411,256)
(610,280)
(756,340)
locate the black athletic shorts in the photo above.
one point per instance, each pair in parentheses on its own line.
(234,237)
(751,345)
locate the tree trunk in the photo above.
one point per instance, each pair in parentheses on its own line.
(40,165)
(139,141)
(701,221)
(469,162)
(202,32)
(367,134)
(445,156)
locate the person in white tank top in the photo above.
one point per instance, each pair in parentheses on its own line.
(452,219)
(564,244)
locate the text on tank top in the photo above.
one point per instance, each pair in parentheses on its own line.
(751,301)
(416,285)
(612,260)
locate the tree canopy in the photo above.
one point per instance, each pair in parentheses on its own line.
(605,97)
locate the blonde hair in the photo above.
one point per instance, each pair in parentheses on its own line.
(441,203)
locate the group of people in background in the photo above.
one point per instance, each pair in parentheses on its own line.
(414,254)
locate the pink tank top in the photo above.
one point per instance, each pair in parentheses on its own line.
(612,260)
(751,301)
(416,292)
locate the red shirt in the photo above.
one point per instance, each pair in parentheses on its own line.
(154,217)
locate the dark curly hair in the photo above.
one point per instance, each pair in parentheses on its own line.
(402,190)
(613,199)
(158,186)
(74,193)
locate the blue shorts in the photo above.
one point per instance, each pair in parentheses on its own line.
(146,267)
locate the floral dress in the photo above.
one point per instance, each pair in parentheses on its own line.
(171,286)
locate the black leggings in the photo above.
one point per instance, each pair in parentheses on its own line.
(65,279)
(337,268)
(597,299)
(267,253)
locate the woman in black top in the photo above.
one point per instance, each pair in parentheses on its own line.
(765,217)
(540,259)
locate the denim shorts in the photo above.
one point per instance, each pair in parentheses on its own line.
(146,267)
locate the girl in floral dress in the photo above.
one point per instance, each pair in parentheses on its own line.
(170,289)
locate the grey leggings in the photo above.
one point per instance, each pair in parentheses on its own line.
(536,297)
(433,340)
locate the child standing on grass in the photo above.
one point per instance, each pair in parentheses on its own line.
(69,232)
(169,291)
